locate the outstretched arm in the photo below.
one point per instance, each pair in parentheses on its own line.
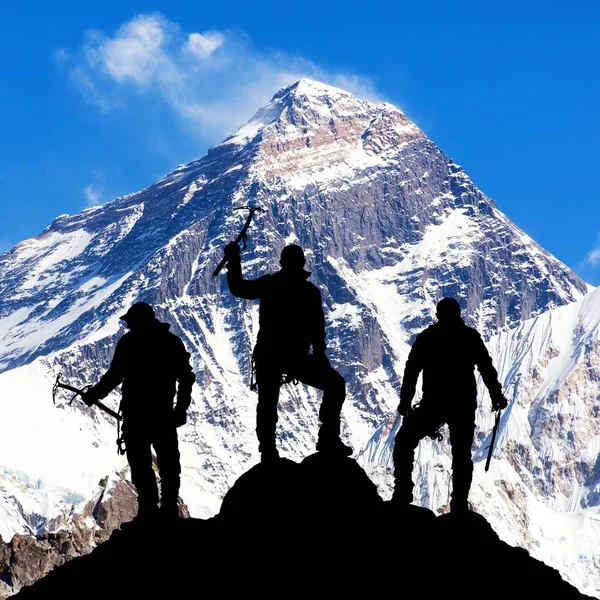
(242,288)
(483,360)
(414,366)
(111,379)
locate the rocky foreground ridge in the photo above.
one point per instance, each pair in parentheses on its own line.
(26,557)
(315,529)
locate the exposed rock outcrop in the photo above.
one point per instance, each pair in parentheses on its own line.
(27,558)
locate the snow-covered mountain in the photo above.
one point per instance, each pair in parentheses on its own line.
(390,225)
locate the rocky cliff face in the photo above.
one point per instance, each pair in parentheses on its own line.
(27,557)
(390,225)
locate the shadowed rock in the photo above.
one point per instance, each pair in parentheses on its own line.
(317,529)
(263,494)
(336,485)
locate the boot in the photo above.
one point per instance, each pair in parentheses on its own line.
(147,514)
(333,445)
(169,512)
(459,505)
(268,452)
(401,497)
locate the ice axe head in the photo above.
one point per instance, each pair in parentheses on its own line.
(55,387)
(250,208)
(242,235)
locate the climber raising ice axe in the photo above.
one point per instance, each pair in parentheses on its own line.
(242,235)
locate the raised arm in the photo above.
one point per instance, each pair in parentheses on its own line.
(249,289)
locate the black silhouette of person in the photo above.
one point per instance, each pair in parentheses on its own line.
(447,353)
(291,322)
(152,365)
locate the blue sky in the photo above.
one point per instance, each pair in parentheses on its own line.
(100,99)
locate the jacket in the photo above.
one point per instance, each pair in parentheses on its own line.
(291,318)
(447,354)
(151,365)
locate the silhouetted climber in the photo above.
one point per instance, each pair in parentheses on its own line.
(291,322)
(152,364)
(447,353)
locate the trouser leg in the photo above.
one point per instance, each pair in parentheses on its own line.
(268,380)
(169,467)
(462,428)
(139,455)
(415,425)
(318,373)
(334,394)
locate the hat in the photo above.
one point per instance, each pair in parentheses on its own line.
(140,311)
(292,256)
(448,309)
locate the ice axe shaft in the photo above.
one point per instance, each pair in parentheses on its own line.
(491,446)
(242,235)
(80,392)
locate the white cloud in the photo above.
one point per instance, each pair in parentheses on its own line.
(593,257)
(591,260)
(85,85)
(213,80)
(136,52)
(202,46)
(93,194)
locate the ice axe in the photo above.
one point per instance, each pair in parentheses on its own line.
(79,392)
(491,446)
(242,236)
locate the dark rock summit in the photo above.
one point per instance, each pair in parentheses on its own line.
(315,529)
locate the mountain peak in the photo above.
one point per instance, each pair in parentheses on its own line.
(311,88)
(303,102)
(311,131)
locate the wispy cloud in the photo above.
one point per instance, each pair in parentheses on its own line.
(589,266)
(203,45)
(93,194)
(211,80)
(592,258)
